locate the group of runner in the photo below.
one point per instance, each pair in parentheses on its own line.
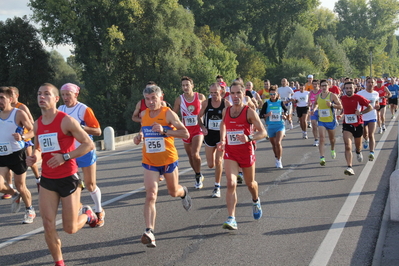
(63,142)
(228,122)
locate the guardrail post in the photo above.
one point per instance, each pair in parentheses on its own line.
(394,195)
(109,139)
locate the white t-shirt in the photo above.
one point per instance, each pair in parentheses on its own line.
(302,98)
(285,93)
(373,97)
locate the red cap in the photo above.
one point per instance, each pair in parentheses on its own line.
(223,84)
(379,81)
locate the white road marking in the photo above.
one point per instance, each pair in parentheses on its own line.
(326,248)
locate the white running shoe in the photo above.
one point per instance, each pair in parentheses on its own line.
(380,130)
(29,216)
(16,202)
(360,157)
(349,171)
(279,164)
(186,201)
(305,135)
(216,192)
(148,239)
(316,143)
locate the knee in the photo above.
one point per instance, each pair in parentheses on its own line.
(151,196)
(70,228)
(231,184)
(251,185)
(218,162)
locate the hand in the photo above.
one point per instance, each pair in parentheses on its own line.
(17,136)
(137,139)
(56,160)
(220,146)
(157,128)
(31,160)
(204,131)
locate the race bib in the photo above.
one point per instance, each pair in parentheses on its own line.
(191,120)
(49,142)
(324,112)
(214,124)
(351,119)
(275,117)
(232,137)
(5,148)
(302,99)
(393,93)
(154,145)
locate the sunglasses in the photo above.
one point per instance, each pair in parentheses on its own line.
(272,94)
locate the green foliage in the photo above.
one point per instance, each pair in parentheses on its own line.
(63,73)
(24,61)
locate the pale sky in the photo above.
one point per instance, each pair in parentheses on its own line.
(19,8)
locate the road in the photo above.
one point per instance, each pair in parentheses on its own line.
(313,215)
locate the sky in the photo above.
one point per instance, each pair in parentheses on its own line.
(19,8)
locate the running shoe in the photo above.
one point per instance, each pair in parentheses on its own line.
(333,154)
(305,135)
(365,144)
(309,125)
(29,216)
(393,117)
(279,164)
(371,156)
(100,218)
(323,161)
(316,143)
(148,239)
(380,130)
(16,202)
(199,182)
(186,201)
(6,196)
(383,127)
(291,126)
(257,210)
(91,216)
(240,178)
(216,192)
(230,224)
(161,178)
(349,171)
(360,157)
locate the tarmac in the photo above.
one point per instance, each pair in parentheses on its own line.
(387,248)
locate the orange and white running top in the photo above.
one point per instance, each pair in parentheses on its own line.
(158,149)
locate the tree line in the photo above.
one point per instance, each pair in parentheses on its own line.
(119,45)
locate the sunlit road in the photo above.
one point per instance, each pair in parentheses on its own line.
(312,214)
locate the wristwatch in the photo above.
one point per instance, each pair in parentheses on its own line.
(165,131)
(250,138)
(66,156)
(22,137)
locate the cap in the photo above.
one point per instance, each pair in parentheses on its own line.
(70,87)
(223,84)
(310,76)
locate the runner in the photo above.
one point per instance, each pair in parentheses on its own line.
(384,94)
(301,99)
(274,111)
(313,95)
(211,114)
(89,123)
(353,123)
(160,126)
(393,100)
(55,134)
(370,119)
(325,104)
(285,93)
(236,140)
(12,153)
(28,143)
(189,105)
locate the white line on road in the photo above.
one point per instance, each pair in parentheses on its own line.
(326,248)
(41,229)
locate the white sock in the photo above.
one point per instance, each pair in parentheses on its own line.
(96,196)
(217,184)
(11,186)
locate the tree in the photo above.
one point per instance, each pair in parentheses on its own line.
(121,44)
(63,73)
(24,61)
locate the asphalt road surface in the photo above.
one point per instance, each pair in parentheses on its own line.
(312,215)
